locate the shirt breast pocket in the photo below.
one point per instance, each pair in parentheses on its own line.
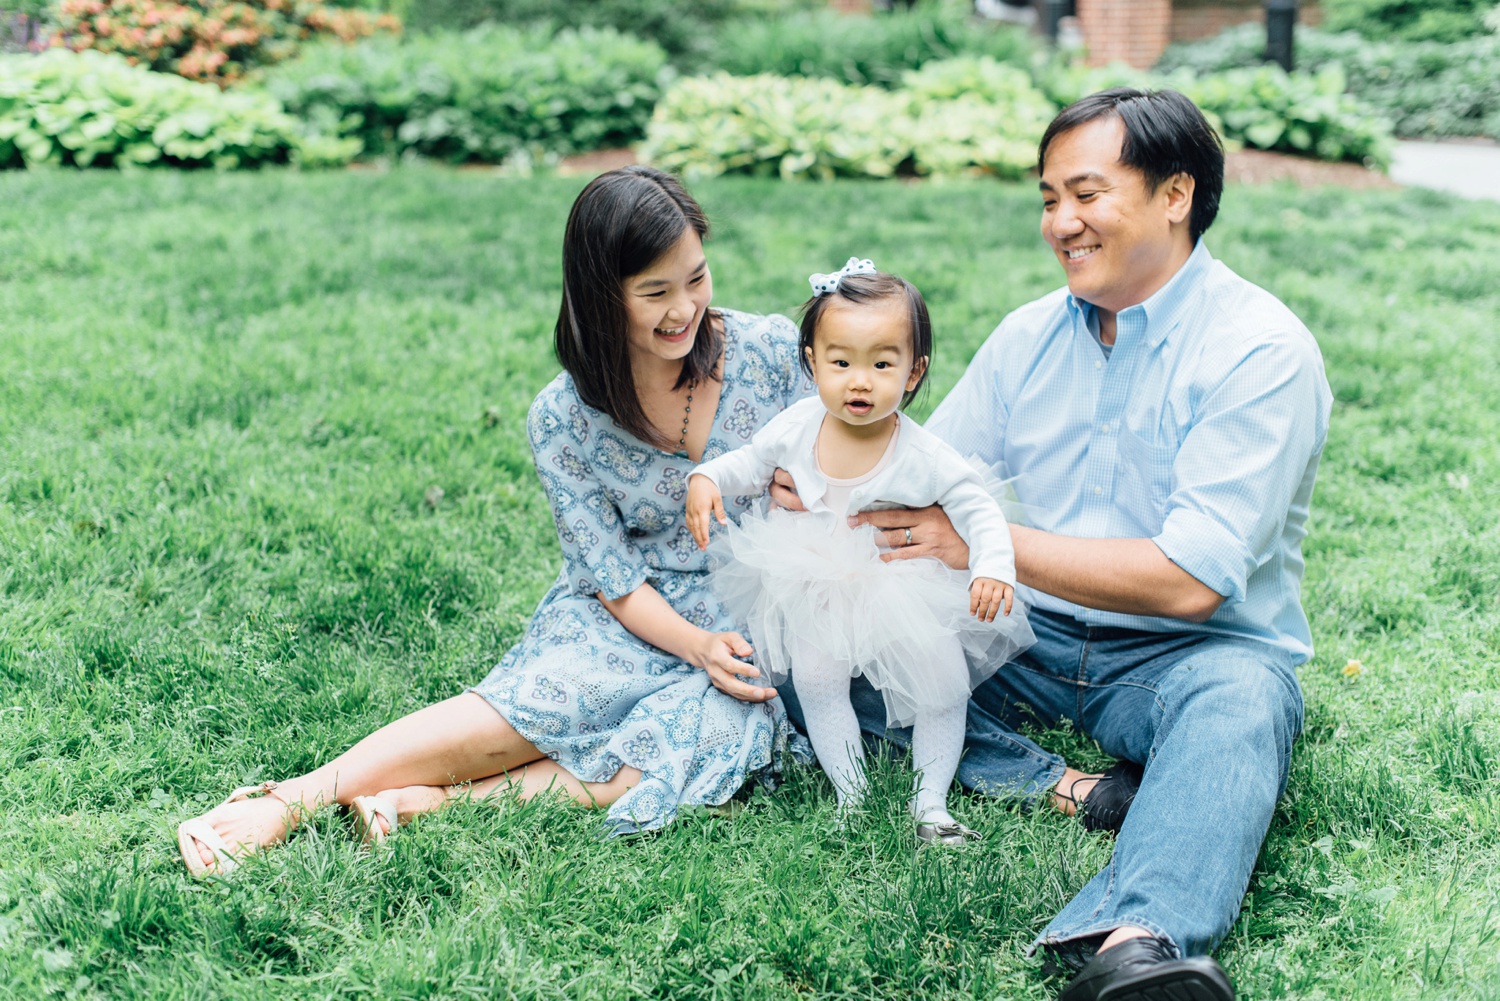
(1143,479)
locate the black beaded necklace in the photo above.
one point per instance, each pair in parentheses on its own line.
(687,413)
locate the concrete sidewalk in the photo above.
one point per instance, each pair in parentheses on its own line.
(1468,169)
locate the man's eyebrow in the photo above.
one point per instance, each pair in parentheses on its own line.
(1075,180)
(654,282)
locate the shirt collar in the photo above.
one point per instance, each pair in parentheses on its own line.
(1166,305)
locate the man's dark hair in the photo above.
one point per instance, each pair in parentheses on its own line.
(1165,135)
(878,287)
(621,224)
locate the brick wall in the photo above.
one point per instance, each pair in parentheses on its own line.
(1128,31)
(1193,19)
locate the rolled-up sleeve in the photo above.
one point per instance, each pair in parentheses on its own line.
(1224,518)
(598,555)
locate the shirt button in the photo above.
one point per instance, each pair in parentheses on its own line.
(1098,363)
(1104,428)
(1098,491)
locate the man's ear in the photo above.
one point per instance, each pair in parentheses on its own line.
(1179,190)
(917,372)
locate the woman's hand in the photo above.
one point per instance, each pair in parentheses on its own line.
(703,501)
(716,653)
(922,531)
(987,597)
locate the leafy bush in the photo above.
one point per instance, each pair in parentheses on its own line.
(218,41)
(1411,20)
(95,109)
(485,95)
(685,30)
(1268,108)
(1423,88)
(797,127)
(863,50)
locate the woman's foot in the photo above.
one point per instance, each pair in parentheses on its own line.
(252,818)
(377,817)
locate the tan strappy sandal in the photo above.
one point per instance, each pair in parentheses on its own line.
(198,831)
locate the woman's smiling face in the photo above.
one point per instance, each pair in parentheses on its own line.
(664,304)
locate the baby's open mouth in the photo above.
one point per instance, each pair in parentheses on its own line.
(860,406)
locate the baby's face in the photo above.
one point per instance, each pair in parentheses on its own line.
(862,360)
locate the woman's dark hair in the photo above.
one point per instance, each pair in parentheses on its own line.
(621,224)
(1165,135)
(861,289)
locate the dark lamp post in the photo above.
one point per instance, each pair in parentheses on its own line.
(1053,13)
(1281,16)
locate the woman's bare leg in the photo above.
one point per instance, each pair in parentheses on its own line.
(452,742)
(534,779)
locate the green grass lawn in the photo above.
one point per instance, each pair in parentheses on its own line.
(225,403)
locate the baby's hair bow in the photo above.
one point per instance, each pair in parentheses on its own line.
(825,284)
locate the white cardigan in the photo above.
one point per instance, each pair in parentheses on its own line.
(924,470)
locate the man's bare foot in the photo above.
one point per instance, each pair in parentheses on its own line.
(1072,789)
(1123,934)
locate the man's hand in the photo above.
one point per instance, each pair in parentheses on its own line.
(987,597)
(717,654)
(923,531)
(703,501)
(784,492)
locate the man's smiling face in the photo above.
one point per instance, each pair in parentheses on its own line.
(1113,235)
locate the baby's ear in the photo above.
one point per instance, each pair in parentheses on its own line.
(808,354)
(917,372)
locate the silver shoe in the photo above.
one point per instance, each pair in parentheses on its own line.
(953,835)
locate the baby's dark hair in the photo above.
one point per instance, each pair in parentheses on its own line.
(861,289)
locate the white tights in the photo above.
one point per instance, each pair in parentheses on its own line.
(937,738)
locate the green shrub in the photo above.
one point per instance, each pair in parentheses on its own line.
(774,125)
(685,30)
(92,109)
(973,114)
(798,127)
(863,50)
(1249,102)
(485,95)
(217,41)
(1268,108)
(1411,20)
(1425,89)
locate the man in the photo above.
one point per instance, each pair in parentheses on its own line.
(1164,418)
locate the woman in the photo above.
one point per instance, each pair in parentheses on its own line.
(628,690)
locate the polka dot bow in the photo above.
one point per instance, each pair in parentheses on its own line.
(825,284)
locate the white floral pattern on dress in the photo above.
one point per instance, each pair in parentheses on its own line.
(588,693)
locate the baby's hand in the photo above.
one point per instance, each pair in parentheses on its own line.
(703,500)
(988,597)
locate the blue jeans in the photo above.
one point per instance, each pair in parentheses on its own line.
(1212,719)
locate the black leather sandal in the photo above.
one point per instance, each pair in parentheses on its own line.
(1104,808)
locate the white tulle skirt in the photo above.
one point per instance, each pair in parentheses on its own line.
(801,580)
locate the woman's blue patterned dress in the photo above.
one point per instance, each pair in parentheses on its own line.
(582,688)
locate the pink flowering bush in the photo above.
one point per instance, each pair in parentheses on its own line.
(213,41)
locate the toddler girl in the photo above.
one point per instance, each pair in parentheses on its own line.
(815,594)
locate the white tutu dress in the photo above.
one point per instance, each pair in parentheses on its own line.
(805,581)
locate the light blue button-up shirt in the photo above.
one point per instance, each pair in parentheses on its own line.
(1201,431)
